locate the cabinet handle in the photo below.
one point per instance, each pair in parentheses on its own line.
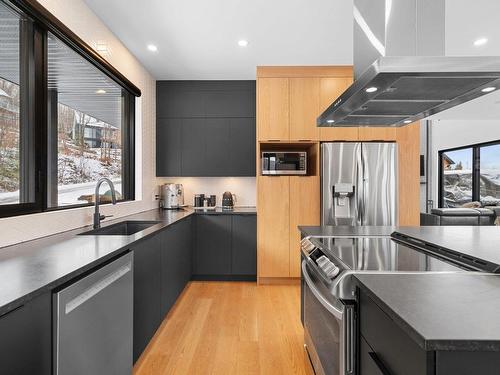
(305,140)
(11,311)
(273,140)
(378,362)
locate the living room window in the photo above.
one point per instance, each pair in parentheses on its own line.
(470,174)
(66,116)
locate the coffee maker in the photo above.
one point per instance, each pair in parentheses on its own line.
(172,196)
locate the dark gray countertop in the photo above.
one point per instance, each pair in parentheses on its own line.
(481,242)
(222,211)
(441,312)
(331,230)
(31,268)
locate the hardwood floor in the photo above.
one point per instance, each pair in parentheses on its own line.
(229,328)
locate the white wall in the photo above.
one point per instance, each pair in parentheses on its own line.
(243,187)
(79,18)
(446,134)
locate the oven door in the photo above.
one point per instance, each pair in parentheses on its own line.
(328,327)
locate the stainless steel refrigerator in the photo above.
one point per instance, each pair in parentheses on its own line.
(359,183)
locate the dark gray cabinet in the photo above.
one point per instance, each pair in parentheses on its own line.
(205,128)
(212,254)
(386,349)
(168,150)
(244,245)
(176,249)
(147,291)
(25,342)
(225,247)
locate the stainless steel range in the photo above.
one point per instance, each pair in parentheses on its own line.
(328,294)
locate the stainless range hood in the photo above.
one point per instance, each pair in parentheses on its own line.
(401,73)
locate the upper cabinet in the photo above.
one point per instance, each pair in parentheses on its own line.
(304,109)
(291,98)
(205,128)
(330,89)
(273,115)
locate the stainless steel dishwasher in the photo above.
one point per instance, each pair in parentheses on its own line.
(93,322)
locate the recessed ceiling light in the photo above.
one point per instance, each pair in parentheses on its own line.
(489,89)
(152,48)
(480,42)
(330,121)
(407,121)
(371,89)
(243,43)
(100,91)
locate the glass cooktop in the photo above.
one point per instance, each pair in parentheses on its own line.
(383,254)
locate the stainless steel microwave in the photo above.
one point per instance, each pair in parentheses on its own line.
(284,163)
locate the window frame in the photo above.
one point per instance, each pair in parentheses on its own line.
(33,64)
(476,169)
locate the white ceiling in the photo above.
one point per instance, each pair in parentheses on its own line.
(198,39)
(467,21)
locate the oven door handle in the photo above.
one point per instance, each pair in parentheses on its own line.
(326,304)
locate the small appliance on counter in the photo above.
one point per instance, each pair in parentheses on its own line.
(202,201)
(172,196)
(228,200)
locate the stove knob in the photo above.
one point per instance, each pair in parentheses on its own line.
(322,260)
(330,269)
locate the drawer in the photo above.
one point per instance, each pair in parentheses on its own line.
(396,351)
(367,363)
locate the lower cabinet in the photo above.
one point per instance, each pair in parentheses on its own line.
(386,349)
(244,245)
(147,291)
(212,255)
(225,247)
(25,342)
(176,244)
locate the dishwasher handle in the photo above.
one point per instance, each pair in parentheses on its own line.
(97,287)
(339,314)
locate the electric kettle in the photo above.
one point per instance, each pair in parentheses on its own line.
(228,200)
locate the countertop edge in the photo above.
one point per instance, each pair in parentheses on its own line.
(422,342)
(188,212)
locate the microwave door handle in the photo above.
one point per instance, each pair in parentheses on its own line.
(326,304)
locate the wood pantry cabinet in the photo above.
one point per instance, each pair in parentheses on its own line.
(289,99)
(283,204)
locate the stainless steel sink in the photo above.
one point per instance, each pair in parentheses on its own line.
(124,228)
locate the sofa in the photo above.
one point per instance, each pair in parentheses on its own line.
(460,216)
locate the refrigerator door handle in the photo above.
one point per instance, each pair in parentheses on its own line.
(359,188)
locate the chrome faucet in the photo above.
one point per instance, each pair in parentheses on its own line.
(97,216)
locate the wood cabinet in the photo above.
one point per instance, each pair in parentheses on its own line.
(304,210)
(283,204)
(304,109)
(273,226)
(377,134)
(408,138)
(273,109)
(26,339)
(330,89)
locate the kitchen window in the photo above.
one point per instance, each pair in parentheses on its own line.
(66,116)
(470,174)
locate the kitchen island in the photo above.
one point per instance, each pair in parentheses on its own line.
(428,323)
